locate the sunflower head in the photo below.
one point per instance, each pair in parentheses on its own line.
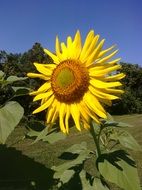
(69,81)
(78,84)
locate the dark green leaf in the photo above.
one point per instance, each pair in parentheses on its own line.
(20,91)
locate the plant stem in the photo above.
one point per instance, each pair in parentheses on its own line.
(96,139)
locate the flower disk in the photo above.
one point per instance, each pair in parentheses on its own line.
(78,84)
(69,81)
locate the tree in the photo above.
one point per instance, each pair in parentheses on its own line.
(131,100)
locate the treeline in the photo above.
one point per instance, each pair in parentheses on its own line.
(20,64)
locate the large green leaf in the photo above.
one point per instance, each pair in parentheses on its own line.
(83,154)
(66,176)
(98,185)
(117,167)
(10,115)
(84,182)
(77,148)
(45,135)
(126,140)
(54,137)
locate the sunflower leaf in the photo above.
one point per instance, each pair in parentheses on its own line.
(84,182)
(10,116)
(98,185)
(54,137)
(126,140)
(82,155)
(119,168)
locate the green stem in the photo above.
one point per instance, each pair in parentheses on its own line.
(96,139)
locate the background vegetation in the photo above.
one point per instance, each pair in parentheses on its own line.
(30,162)
(20,64)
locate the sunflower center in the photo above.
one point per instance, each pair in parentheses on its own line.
(69,81)
(65,78)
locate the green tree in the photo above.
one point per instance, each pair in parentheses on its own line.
(131,100)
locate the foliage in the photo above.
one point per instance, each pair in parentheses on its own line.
(10,115)
(131,100)
(113,164)
(11,112)
(20,64)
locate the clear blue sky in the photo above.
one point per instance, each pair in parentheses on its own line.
(22,23)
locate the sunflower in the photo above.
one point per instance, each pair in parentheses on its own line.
(82,79)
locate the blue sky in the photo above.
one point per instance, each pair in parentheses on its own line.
(118,21)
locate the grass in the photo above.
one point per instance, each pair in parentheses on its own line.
(24,162)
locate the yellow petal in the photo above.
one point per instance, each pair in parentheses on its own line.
(89,112)
(57,46)
(54,57)
(44,70)
(45,105)
(87,43)
(50,112)
(96,72)
(63,47)
(75,50)
(86,124)
(99,84)
(45,87)
(43,95)
(67,118)
(103,52)
(114,61)
(61,117)
(94,105)
(47,65)
(77,40)
(36,75)
(75,115)
(58,49)
(107,57)
(115,77)
(84,56)
(114,91)
(94,55)
(56,113)
(107,64)
(106,101)
(69,42)
(101,94)
(83,112)
(64,51)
